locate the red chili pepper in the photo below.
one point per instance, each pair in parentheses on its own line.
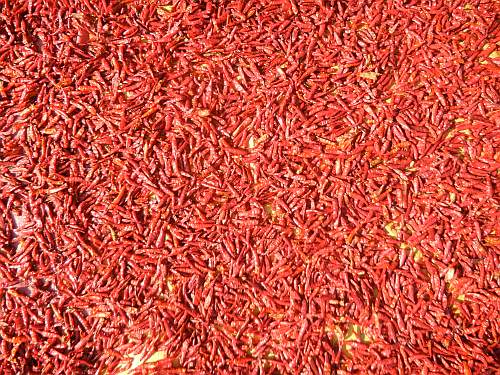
(322,173)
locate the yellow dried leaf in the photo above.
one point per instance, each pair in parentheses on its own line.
(418,256)
(356,332)
(351,334)
(49,131)
(165,8)
(158,356)
(271,355)
(391,229)
(449,274)
(113,234)
(369,75)
(251,142)
(494,55)
(335,68)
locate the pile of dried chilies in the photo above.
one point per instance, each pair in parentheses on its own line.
(238,187)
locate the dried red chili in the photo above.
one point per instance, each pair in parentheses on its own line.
(249,187)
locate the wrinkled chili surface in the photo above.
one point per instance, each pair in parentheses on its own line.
(249,187)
